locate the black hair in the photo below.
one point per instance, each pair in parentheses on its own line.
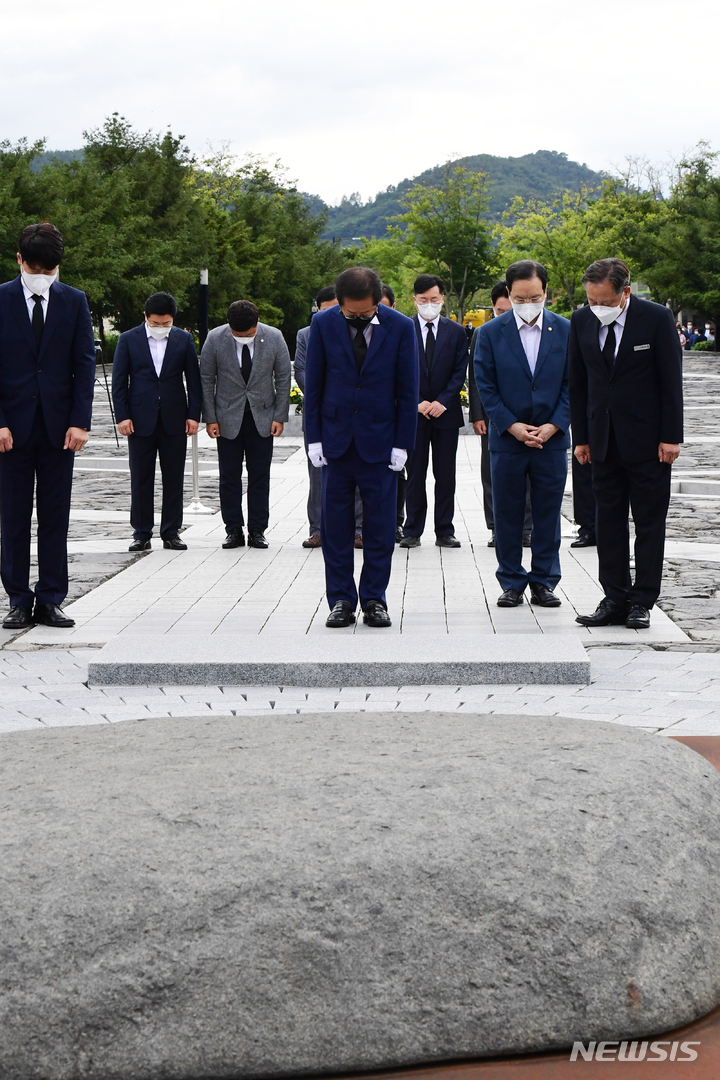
(358,282)
(525,270)
(388,293)
(41,245)
(325,294)
(161,303)
(242,315)
(498,291)
(613,270)
(425,282)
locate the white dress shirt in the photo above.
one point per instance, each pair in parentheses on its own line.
(367,332)
(424,323)
(619,325)
(249,341)
(530,337)
(157,350)
(31,303)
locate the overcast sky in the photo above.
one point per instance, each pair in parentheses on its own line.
(353,97)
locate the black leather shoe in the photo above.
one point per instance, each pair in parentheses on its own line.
(18,618)
(527,539)
(447,541)
(410,541)
(510,598)
(543,596)
(52,615)
(638,617)
(607,613)
(140,545)
(585,539)
(375,614)
(342,614)
(399,534)
(491,541)
(257,539)
(174,543)
(235,538)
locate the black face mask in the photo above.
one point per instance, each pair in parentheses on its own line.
(359,321)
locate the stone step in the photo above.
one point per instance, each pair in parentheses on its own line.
(374,659)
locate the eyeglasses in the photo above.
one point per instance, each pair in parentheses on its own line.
(527,299)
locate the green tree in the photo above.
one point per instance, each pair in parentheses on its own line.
(19,199)
(398,262)
(447,224)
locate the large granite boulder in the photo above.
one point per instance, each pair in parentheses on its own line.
(268,896)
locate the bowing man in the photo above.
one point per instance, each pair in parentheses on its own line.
(158,398)
(47,378)
(521,371)
(361,385)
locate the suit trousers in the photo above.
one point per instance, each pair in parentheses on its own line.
(444,443)
(41,468)
(314,503)
(547,471)
(257,451)
(486,480)
(143,451)
(644,488)
(583,497)
(378,490)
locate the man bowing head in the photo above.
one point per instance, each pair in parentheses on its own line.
(361,385)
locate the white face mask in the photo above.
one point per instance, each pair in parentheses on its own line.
(430,311)
(606,315)
(528,312)
(38,284)
(159,332)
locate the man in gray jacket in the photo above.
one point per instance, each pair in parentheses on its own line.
(245,362)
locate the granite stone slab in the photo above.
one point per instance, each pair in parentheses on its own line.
(338,660)
(271,896)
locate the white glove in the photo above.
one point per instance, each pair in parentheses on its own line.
(397,459)
(316,455)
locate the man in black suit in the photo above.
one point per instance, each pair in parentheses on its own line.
(156,413)
(443,360)
(627,418)
(47,379)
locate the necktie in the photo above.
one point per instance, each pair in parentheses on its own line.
(38,321)
(359,344)
(429,347)
(246,364)
(608,350)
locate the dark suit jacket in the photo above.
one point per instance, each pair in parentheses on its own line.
(377,407)
(61,376)
(476,407)
(641,394)
(510,392)
(139,394)
(447,375)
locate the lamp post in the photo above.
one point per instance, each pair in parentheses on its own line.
(195,506)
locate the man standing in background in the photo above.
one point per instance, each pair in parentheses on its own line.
(47,381)
(157,397)
(627,414)
(443,360)
(245,372)
(361,386)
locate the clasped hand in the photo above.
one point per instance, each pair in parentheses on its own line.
(431,408)
(535,435)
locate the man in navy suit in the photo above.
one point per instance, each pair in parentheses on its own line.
(627,413)
(443,353)
(156,413)
(521,371)
(47,379)
(361,386)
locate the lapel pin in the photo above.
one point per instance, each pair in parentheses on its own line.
(549,329)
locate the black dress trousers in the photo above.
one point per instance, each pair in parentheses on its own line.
(257,452)
(444,442)
(143,451)
(644,488)
(38,467)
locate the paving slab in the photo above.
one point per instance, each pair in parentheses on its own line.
(296,660)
